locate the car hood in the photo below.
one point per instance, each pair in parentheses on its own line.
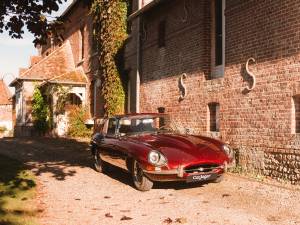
(185,149)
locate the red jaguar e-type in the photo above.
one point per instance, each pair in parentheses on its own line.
(147,146)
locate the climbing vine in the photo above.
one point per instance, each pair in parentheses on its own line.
(61,92)
(110,33)
(40,111)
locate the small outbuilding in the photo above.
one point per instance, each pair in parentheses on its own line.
(6,123)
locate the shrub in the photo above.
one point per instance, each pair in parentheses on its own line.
(77,117)
(40,111)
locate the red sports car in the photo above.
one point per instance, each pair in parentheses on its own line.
(147,146)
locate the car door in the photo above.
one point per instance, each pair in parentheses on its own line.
(111,150)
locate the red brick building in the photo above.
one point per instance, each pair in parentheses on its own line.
(66,60)
(190,57)
(5,108)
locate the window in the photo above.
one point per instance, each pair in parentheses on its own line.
(162,34)
(214,117)
(73,99)
(218,38)
(218,33)
(112,124)
(81,39)
(296,114)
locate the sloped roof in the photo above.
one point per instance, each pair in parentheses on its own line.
(56,63)
(150,5)
(5,94)
(69,8)
(76,76)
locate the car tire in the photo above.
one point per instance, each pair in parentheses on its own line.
(218,179)
(98,163)
(140,181)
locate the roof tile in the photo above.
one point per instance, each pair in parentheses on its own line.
(58,62)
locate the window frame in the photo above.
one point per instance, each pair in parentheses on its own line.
(217,70)
(213,107)
(116,127)
(81,42)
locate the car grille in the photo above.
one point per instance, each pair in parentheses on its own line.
(202,168)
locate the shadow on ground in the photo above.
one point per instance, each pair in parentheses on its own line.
(16,187)
(125,178)
(55,156)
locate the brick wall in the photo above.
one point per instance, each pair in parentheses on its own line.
(78,24)
(258,124)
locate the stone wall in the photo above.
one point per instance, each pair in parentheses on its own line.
(258,123)
(283,165)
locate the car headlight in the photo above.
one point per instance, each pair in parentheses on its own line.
(156,158)
(228,151)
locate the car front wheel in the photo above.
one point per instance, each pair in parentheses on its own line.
(140,181)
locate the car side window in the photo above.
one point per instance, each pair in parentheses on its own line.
(112,125)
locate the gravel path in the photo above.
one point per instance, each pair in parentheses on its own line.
(71,192)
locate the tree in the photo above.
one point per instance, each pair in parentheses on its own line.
(15,15)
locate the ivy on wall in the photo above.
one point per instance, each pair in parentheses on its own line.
(110,33)
(61,92)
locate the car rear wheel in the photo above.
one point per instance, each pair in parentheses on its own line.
(140,181)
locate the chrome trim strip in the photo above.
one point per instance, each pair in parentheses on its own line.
(162,172)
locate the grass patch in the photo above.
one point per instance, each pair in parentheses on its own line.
(17,193)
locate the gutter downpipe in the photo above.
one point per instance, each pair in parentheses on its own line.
(138,62)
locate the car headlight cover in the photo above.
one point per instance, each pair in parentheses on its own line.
(228,151)
(156,158)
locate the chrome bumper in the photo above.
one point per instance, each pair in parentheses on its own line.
(178,172)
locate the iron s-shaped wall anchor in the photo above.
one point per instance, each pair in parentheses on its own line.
(182,87)
(250,74)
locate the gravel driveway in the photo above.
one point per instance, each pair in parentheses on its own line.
(71,192)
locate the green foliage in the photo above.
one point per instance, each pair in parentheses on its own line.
(62,96)
(77,117)
(110,32)
(17,191)
(15,15)
(40,111)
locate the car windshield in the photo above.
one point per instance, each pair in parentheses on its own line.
(141,125)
